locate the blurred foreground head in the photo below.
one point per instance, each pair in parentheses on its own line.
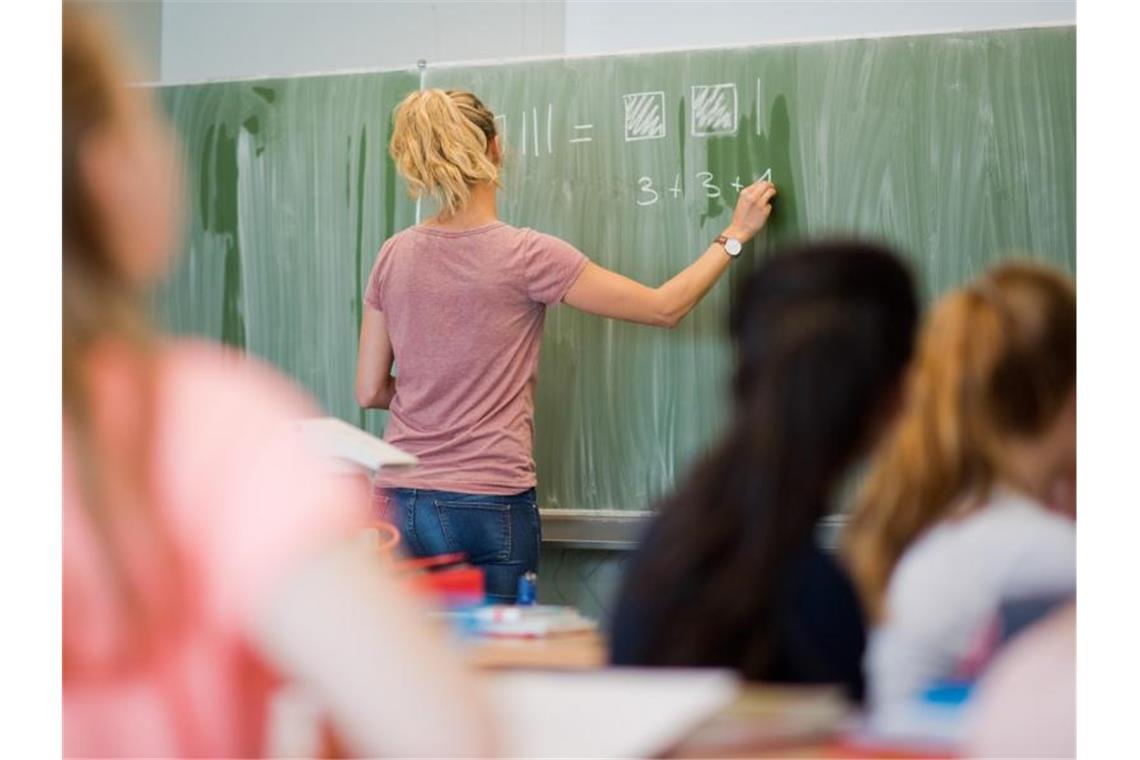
(120,206)
(822,336)
(120,190)
(991,399)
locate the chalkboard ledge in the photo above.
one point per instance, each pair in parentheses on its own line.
(612,529)
(620,530)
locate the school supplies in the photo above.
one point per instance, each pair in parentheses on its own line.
(528,589)
(446,579)
(525,622)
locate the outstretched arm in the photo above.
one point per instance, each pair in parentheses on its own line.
(609,294)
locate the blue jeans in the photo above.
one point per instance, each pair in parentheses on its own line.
(500,534)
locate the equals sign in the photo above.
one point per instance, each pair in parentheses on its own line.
(579,128)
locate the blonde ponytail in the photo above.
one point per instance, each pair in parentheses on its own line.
(439,143)
(995,363)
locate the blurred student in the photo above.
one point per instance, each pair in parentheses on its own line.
(1026,705)
(203,555)
(730,573)
(458,302)
(959,513)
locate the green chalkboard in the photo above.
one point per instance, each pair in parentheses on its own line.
(959,149)
(289,195)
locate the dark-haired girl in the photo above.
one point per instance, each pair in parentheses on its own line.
(730,574)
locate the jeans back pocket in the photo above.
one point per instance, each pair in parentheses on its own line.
(480,528)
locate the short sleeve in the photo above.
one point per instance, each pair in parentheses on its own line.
(552,266)
(373,291)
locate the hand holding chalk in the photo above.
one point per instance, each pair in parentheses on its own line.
(752,210)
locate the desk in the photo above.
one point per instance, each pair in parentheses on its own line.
(763,722)
(578,651)
(771,721)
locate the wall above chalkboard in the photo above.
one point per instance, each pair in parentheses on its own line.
(960,149)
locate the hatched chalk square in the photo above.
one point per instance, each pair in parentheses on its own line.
(713,109)
(644,115)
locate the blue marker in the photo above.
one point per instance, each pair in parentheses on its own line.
(528,588)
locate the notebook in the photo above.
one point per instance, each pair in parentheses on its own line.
(348,445)
(615,712)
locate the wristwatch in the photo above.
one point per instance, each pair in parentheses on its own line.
(732,246)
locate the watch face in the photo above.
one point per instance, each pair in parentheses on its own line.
(732,247)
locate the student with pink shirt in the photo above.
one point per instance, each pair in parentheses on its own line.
(459,302)
(205,555)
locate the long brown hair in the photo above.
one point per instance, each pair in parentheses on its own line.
(996,362)
(102,308)
(823,335)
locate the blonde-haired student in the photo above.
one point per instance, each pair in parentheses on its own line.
(458,302)
(204,552)
(966,506)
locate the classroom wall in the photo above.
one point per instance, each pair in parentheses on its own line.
(624,25)
(212,40)
(139,24)
(179,41)
(588,579)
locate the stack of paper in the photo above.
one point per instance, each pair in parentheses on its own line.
(617,712)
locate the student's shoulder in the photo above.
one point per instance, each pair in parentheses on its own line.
(936,566)
(1042,550)
(1006,541)
(216,383)
(816,576)
(1030,520)
(1028,533)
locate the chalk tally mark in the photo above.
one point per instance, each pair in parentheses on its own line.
(501,129)
(644,115)
(534,113)
(532,128)
(713,109)
(759,106)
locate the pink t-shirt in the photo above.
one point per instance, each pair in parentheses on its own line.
(465,312)
(240,503)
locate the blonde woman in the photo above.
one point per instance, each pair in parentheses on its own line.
(202,550)
(459,302)
(964,509)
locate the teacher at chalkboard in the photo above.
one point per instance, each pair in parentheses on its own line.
(459,301)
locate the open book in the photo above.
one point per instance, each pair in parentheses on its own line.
(348,445)
(608,713)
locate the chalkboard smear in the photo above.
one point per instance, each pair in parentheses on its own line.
(219,197)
